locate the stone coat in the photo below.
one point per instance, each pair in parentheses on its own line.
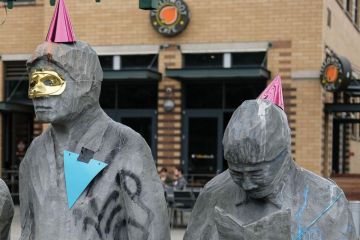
(125,201)
(319,209)
(6,211)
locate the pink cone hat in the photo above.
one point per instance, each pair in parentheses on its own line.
(273,93)
(61,30)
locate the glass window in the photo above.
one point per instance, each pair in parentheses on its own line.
(137,95)
(106,62)
(203,60)
(236,93)
(108,94)
(16,82)
(139,61)
(246,59)
(200,95)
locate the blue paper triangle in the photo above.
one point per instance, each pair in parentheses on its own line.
(79,174)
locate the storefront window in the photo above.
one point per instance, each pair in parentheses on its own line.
(248,59)
(203,60)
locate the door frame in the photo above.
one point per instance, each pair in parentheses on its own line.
(117,114)
(201,113)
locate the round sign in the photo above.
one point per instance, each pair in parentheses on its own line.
(171,17)
(335,73)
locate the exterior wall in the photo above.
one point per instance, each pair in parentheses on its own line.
(1,119)
(22,31)
(342,37)
(169,123)
(354,158)
(297,30)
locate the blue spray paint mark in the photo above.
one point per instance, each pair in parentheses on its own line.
(300,212)
(307,229)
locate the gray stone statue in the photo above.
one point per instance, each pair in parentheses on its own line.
(6,211)
(86,176)
(264,194)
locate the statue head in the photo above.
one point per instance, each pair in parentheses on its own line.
(64,80)
(257,146)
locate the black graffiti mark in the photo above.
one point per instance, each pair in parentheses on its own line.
(112,197)
(117,216)
(90,221)
(123,175)
(120,231)
(77,215)
(115,211)
(94,206)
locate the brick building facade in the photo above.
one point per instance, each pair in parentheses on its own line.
(292,35)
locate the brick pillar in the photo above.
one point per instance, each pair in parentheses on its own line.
(1,116)
(169,122)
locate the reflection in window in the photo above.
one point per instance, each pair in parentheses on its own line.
(203,60)
(128,95)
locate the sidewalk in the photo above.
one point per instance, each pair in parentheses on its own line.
(176,234)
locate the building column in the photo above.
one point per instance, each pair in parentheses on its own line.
(169,120)
(1,115)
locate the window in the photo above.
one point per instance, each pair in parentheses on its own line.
(106,62)
(347,5)
(328,17)
(221,95)
(126,62)
(139,95)
(16,82)
(203,60)
(249,59)
(356,11)
(225,60)
(139,61)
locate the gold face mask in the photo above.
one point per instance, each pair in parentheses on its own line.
(44,83)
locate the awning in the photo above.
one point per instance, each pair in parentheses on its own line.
(219,73)
(342,107)
(16,107)
(133,75)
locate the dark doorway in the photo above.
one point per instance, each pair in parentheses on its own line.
(17,135)
(208,109)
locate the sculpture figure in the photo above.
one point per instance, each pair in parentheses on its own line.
(6,211)
(86,176)
(264,194)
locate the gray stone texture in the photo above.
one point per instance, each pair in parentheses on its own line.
(124,201)
(6,211)
(241,204)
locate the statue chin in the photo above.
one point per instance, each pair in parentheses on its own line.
(260,193)
(47,117)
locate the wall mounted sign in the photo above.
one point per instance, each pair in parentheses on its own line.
(171,17)
(335,73)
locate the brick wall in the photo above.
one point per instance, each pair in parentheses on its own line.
(297,30)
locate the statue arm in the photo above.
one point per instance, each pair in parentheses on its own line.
(145,203)
(6,211)
(26,216)
(201,224)
(344,227)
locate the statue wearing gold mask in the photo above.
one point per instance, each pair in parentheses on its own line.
(125,199)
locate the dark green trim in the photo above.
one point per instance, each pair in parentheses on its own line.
(16,107)
(341,107)
(218,73)
(141,74)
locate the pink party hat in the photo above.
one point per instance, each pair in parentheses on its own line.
(61,30)
(273,92)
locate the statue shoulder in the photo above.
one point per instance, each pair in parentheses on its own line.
(220,182)
(318,182)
